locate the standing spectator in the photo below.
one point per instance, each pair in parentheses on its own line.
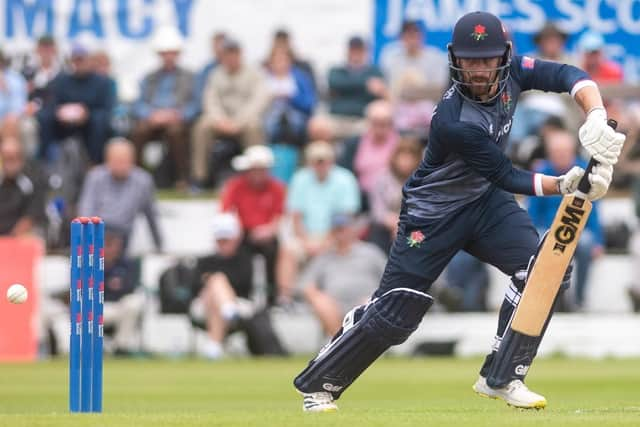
(167,104)
(352,86)
(119,190)
(80,106)
(233,105)
(594,61)
(561,151)
(123,306)
(375,146)
(22,194)
(316,193)
(38,71)
(217,49)
(342,277)
(13,99)
(258,201)
(385,195)
(411,53)
(292,100)
(282,39)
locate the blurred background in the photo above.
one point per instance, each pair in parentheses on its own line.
(248,158)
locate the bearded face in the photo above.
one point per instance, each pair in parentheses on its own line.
(480,75)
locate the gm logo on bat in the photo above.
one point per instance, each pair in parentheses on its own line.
(566,232)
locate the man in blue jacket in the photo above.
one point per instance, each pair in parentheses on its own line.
(80,106)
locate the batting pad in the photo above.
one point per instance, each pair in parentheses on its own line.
(367,332)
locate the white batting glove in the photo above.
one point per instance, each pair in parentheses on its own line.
(600,179)
(599,139)
(568,183)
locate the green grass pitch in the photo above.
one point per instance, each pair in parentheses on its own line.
(394,392)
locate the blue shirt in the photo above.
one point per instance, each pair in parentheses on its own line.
(543,209)
(465,155)
(165,97)
(318,201)
(13,96)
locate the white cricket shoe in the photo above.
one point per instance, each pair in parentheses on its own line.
(321,401)
(516,393)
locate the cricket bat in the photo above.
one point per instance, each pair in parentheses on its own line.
(545,278)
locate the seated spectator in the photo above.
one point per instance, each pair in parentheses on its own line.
(118,191)
(13,99)
(595,62)
(317,192)
(121,120)
(530,151)
(375,146)
(80,107)
(351,87)
(167,104)
(411,112)
(102,66)
(226,284)
(39,70)
(123,306)
(258,201)
(534,107)
(410,53)
(233,106)
(561,149)
(343,277)
(292,98)
(287,157)
(385,195)
(282,40)
(217,49)
(22,193)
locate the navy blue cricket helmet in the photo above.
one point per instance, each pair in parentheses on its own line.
(479,35)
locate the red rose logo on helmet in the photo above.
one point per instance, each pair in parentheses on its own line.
(415,238)
(479,32)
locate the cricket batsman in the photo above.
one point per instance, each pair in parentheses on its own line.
(461,198)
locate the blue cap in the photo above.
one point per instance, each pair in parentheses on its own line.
(78,50)
(591,41)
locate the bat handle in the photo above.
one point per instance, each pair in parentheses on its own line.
(584,185)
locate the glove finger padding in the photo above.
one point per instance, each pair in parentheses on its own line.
(569,181)
(601,141)
(600,179)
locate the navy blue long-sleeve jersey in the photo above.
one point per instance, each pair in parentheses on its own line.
(465,155)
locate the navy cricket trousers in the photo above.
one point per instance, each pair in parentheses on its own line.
(494,228)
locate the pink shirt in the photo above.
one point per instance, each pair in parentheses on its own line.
(372,159)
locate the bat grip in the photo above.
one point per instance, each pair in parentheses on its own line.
(584,185)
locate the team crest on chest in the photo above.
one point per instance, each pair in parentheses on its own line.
(506,101)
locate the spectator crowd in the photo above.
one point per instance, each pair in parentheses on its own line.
(308,170)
